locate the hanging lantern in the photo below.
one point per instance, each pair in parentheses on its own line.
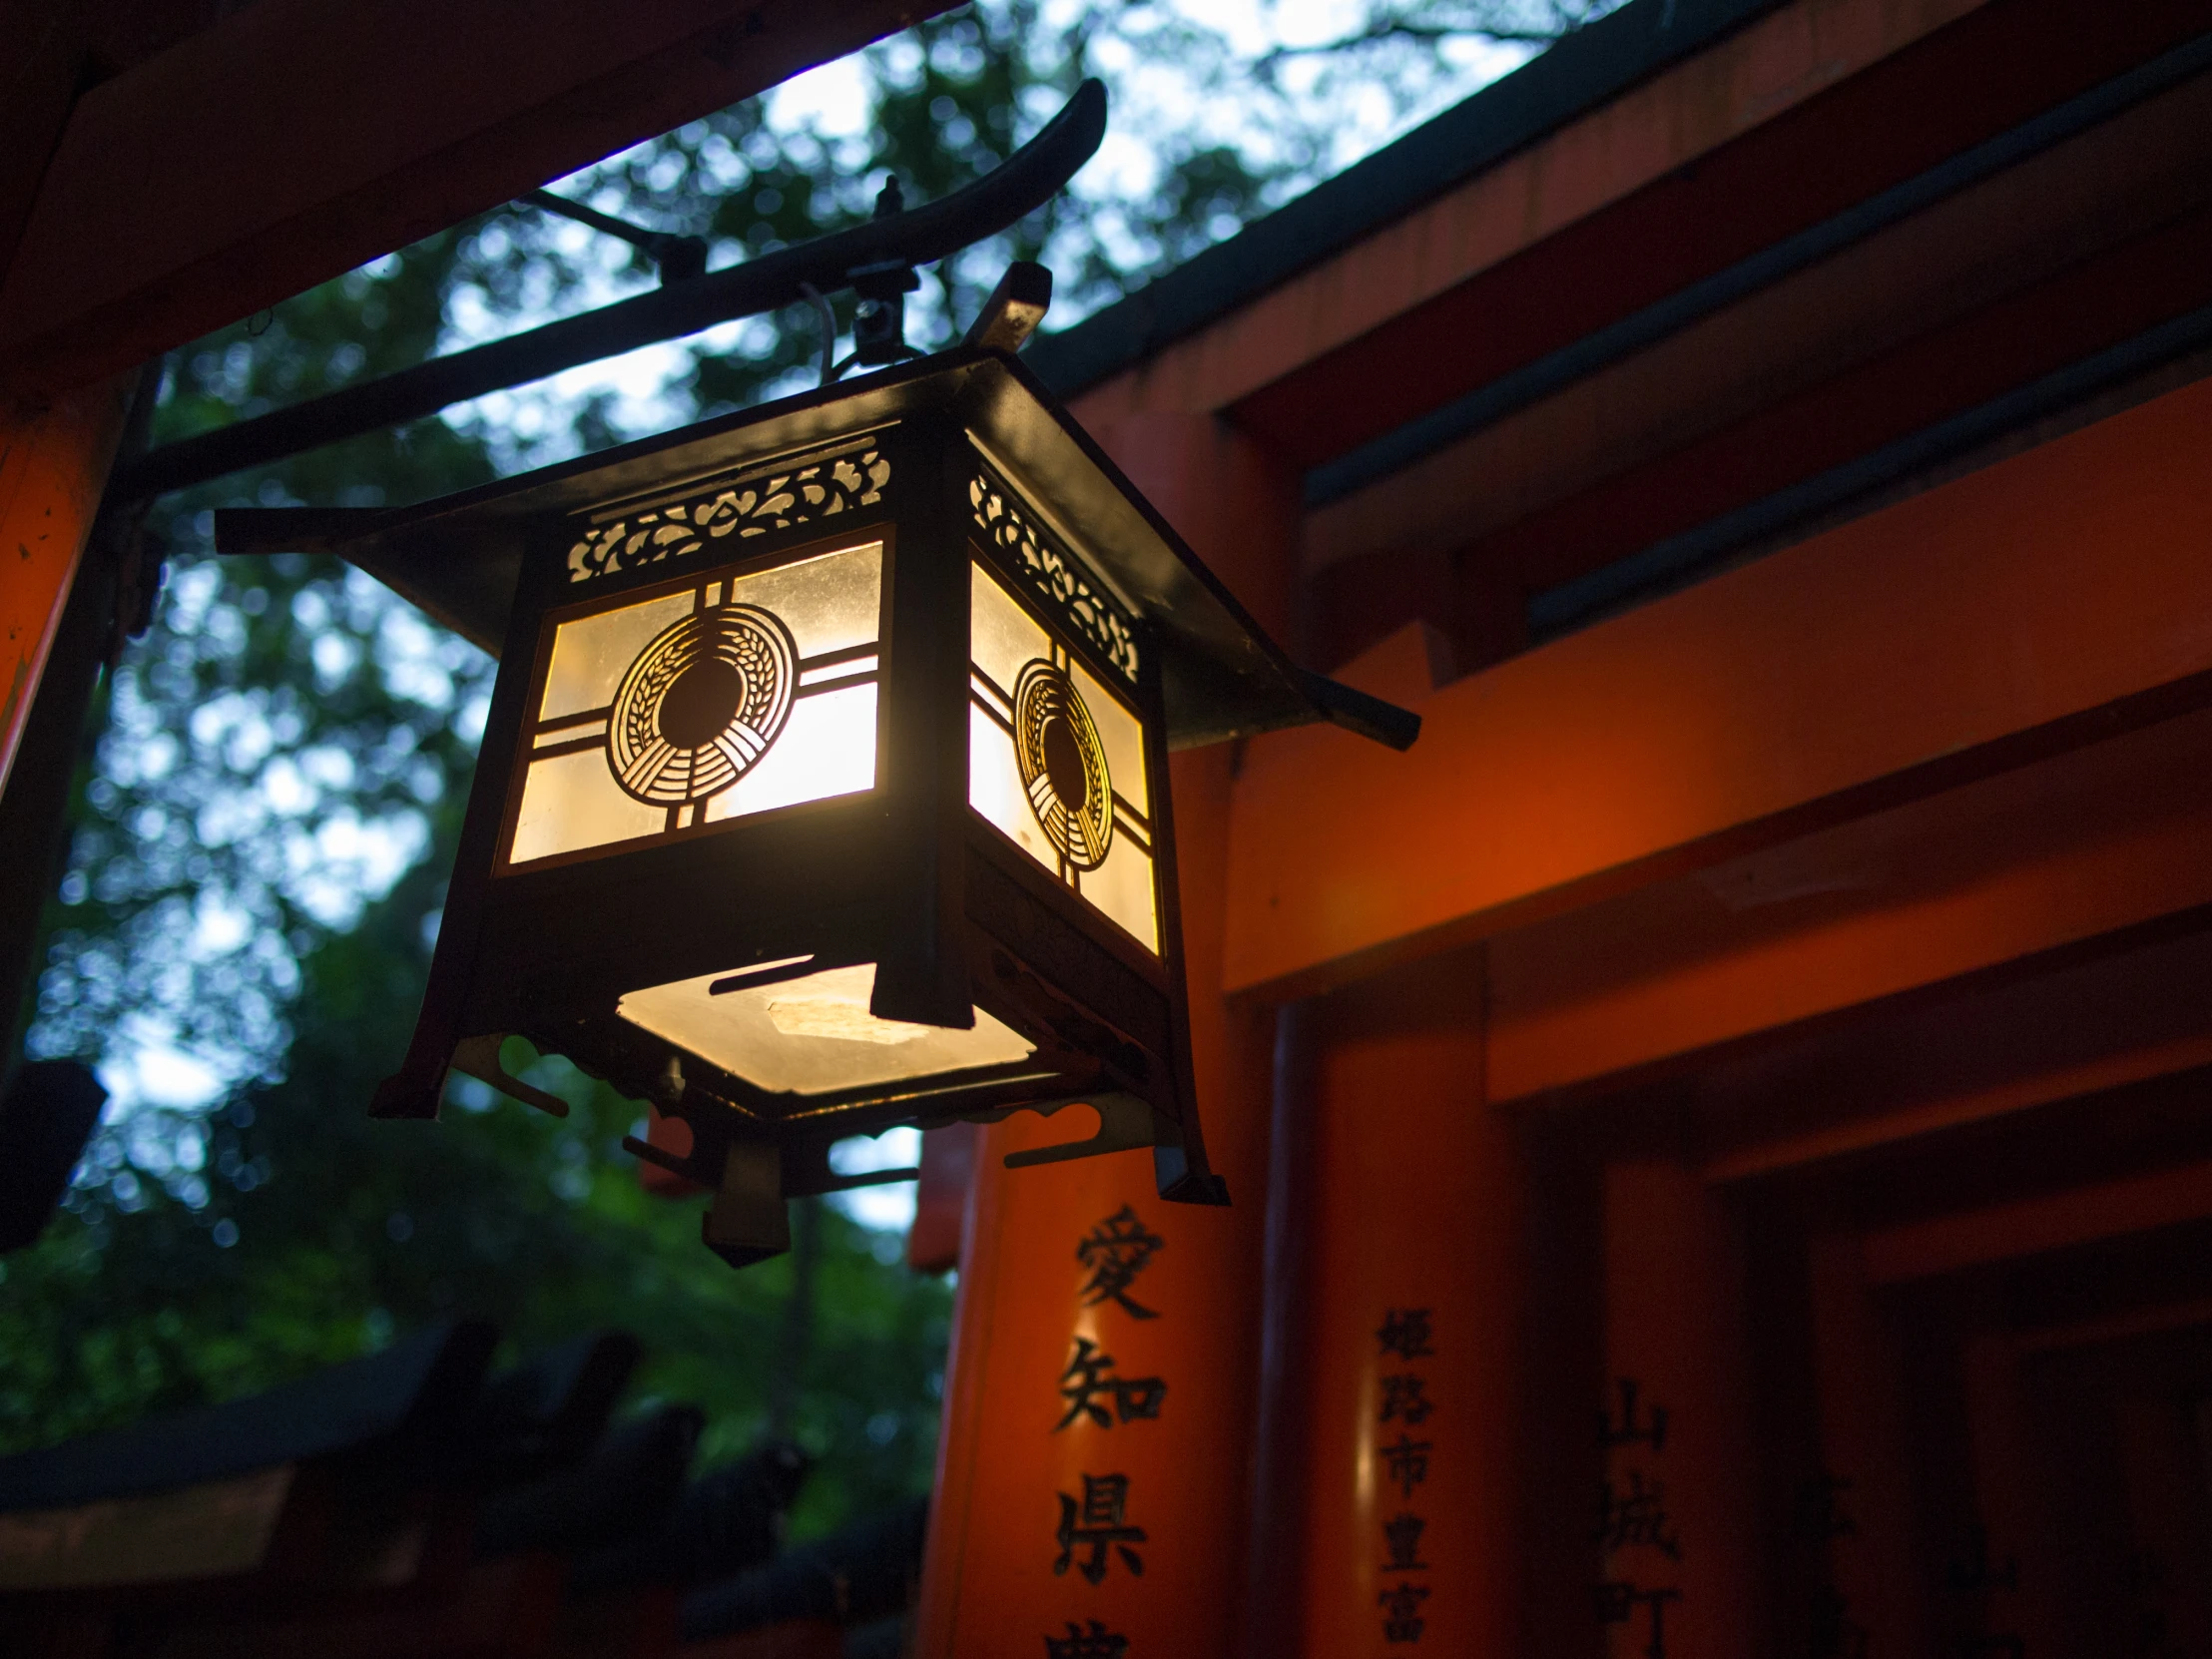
(825,784)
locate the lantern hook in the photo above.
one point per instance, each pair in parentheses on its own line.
(1001,198)
(828,320)
(679,258)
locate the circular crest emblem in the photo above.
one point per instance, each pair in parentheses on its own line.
(702,704)
(1063,765)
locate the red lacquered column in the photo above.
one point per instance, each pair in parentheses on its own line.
(1412,1340)
(1864,1511)
(1093,1479)
(2008,1562)
(1676,1517)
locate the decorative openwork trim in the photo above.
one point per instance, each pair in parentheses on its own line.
(794,490)
(1051,572)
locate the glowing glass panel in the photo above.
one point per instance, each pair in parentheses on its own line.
(1021,684)
(732,696)
(814,1035)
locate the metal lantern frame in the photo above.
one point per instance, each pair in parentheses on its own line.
(953,462)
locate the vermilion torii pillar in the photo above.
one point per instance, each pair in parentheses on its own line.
(56,620)
(1094,1477)
(1412,1346)
(1677,1515)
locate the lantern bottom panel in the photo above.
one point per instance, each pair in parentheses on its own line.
(811,1034)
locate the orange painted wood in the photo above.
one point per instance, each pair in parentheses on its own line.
(2051,599)
(1417,1208)
(1947,1062)
(1675,1322)
(1667,483)
(2083,847)
(2159,1453)
(1865,99)
(1942,311)
(2012,1495)
(2030,1226)
(53,466)
(2116,1328)
(674,1137)
(1866,1440)
(297,140)
(1603,158)
(1009,1456)
(940,1197)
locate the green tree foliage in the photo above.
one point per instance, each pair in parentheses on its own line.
(263,829)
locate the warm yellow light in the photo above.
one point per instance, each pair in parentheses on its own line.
(835,1004)
(812,1035)
(727,697)
(1007,644)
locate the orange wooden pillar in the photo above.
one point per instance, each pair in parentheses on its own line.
(56,617)
(1412,1343)
(53,466)
(2160,1459)
(1676,1518)
(2007,1565)
(1093,1474)
(1864,1518)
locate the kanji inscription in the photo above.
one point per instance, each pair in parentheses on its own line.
(1404,1333)
(1405,1336)
(1402,1620)
(1116,1251)
(1096,1526)
(1632,1518)
(1095,1643)
(1092,1391)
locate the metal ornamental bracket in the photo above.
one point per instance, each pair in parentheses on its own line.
(1029,179)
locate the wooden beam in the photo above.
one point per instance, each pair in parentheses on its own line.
(2042,602)
(1537,495)
(2117,1328)
(1365,314)
(52,467)
(2069,855)
(46,41)
(295,140)
(1815,109)
(1937,1064)
(2031,1226)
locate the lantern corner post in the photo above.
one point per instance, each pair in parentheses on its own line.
(443,1027)
(922,977)
(1080,1271)
(1181,1171)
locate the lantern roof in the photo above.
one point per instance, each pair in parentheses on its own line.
(459,557)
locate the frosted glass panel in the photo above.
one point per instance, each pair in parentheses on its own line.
(814,1035)
(591,653)
(731,696)
(994,787)
(1001,635)
(568,802)
(827,748)
(1056,761)
(830,604)
(1122,888)
(1118,730)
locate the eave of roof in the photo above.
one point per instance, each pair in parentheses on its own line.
(1582,71)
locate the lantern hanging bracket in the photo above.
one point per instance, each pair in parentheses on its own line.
(679,258)
(884,246)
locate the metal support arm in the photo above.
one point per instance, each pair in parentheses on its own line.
(1029,179)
